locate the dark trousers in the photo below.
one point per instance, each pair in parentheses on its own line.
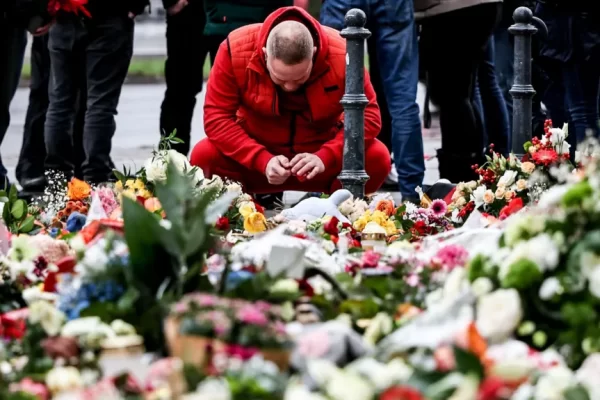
(33,150)
(385,135)
(12,48)
(454,45)
(491,104)
(395,35)
(187,48)
(101,50)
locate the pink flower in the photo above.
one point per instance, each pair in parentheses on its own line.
(244,353)
(108,200)
(370,259)
(452,256)
(438,207)
(252,315)
(181,307)
(413,280)
(27,385)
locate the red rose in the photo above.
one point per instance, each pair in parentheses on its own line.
(401,393)
(305,287)
(300,236)
(331,226)
(259,208)
(515,205)
(222,224)
(490,389)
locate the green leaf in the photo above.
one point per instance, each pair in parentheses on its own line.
(13,194)
(119,175)
(18,209)
(468,363)
(127,301)
(422,380)
(576,393)
(365,308)
(27,225)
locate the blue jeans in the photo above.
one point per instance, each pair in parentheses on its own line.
(582,92)
(394,31)
(13,40)
(491,103)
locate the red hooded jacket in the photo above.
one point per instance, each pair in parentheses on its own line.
(242,118)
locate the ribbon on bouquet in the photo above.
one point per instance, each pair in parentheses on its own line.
(69,6)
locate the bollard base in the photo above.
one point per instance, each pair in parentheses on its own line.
(354,181)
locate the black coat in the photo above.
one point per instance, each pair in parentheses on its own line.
(573,29)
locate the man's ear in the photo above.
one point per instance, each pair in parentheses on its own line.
(314,50)
(265,50)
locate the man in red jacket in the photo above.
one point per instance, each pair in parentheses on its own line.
(272,113)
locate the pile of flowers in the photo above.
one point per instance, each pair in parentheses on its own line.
(506,185)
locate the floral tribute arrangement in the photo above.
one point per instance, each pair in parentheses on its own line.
(178,286)
(506,185)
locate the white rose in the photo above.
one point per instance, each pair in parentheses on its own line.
(527,167)
(48,316)
(347,207)
(499,314)
(62,379)
(521,185)
(500,192)
(156,169)
(488,197)
(216,183)
(524,392)
(233,187)
(467,389)
(550,287)
(552,384)
(179,161)
(481,286)
(455,283)
(301,392)
(348,386)
(594,284)
(508,178)
(588,374)
(285,286)
(477,195)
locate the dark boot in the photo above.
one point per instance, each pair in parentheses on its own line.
(458,167)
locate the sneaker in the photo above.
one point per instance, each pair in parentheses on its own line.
(391,182)
(270,201)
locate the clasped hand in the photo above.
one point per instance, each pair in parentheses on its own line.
(304,166)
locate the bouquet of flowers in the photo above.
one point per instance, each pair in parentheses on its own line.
(45,10)
(506,185)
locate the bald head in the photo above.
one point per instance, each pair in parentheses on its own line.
(290,42)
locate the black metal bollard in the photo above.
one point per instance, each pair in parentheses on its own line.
(354,101)
(522,91)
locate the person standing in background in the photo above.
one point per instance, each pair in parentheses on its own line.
(394,33)
(101,48)
(13,40)
(572,49)
(196,28)
(30,167)
(454,39)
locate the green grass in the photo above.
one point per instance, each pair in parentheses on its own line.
(140,67)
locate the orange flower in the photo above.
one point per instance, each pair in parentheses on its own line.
(386,206)
(152,204)
(472,341)
(78,190)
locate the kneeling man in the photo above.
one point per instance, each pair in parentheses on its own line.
(272,113)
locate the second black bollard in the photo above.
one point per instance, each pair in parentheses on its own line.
(354,101)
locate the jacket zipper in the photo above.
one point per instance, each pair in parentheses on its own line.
(292,131)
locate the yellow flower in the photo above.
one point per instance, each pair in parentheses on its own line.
(129,183)
(390,228)
(145,193)
(138,185)
(246,208)
(129,193)
(379,217)
(119,186)
(360,223)
(255,222)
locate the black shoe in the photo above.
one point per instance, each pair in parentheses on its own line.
(36,184)
(270,201)
(457,167)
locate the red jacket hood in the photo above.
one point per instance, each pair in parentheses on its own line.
(300,15)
